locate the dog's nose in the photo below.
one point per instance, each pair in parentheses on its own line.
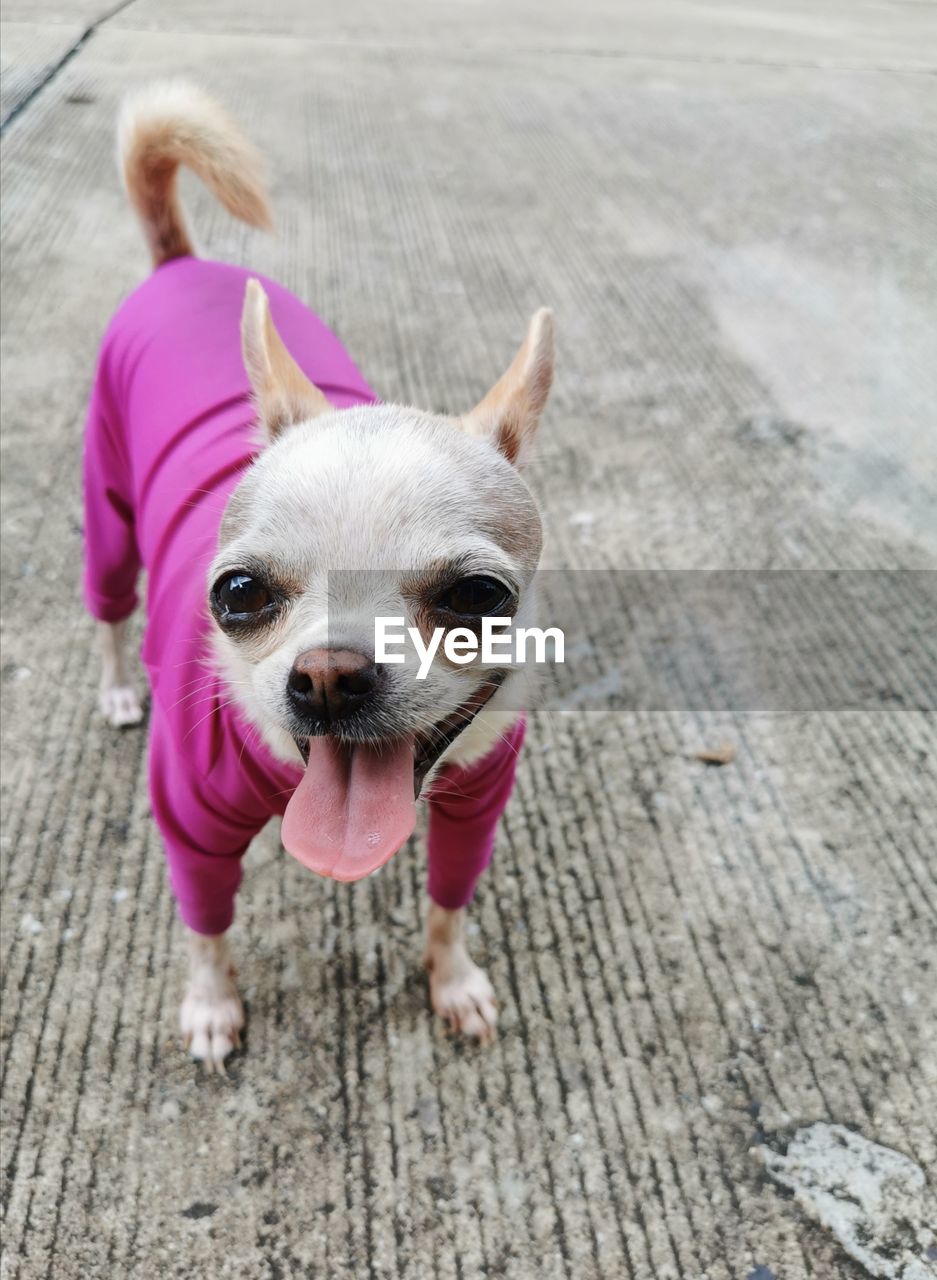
(331,684)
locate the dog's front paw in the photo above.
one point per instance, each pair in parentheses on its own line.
(119,705)
(461,993)
(212,1018)
(466,1001)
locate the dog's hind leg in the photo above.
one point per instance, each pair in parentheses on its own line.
(118,701)
(112,558)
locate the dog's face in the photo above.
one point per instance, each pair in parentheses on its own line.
(376,511)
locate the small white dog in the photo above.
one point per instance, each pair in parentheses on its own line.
(249,468)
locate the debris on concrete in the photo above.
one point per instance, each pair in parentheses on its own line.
(720,755)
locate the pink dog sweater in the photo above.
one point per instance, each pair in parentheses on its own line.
(169,434)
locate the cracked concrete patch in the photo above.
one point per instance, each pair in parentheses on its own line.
(875,1201)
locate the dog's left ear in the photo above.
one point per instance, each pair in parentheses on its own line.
(510,413)
(283,393)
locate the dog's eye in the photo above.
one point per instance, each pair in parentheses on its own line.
(475,597)
(238,596)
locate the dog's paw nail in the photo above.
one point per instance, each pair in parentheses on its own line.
(479,1022)
(222,1045)
(213,1062)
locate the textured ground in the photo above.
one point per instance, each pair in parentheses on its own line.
(730,208)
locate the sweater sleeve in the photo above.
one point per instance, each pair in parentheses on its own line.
(464,808)
(112,561)
(204,840)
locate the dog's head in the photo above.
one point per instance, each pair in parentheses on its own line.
(350,515)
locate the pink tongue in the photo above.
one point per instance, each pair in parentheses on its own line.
(353,809)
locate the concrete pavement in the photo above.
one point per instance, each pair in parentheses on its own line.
(730,208)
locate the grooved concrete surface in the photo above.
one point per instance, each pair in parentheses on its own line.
(730,208)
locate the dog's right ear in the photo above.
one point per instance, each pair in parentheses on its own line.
(282,392)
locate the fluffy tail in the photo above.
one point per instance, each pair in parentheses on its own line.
(166,125)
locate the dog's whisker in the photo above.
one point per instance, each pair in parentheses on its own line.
(220,706)
(189,698)
(202,681)
(253,736)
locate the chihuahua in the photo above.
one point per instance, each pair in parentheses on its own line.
(235,452)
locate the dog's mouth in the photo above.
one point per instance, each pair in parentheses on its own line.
(355,804)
